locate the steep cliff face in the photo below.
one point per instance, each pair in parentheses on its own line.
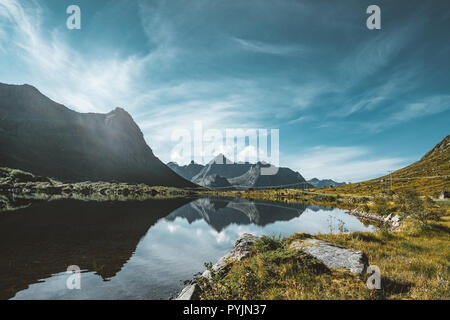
(48,139)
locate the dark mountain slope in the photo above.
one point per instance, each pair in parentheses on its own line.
(48,139)
(187,171)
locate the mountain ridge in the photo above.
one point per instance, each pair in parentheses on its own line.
(221,173)
(324,183)
(46,138)
(430,175)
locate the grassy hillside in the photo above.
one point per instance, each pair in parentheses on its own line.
(414,264)
(429,176)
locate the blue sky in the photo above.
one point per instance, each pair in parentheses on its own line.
(350,103)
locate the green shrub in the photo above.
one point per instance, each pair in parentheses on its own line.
(411,205)
(267,243)
(381,206)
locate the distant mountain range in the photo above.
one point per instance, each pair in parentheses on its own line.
(326,183)
(224,174)
(48,139)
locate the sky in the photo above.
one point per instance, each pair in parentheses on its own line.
(349,103)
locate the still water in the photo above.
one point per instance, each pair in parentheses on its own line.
(138,249)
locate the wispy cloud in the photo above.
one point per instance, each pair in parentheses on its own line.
(62,72)
(269,48)
(342,163)
(297,120)
(191,62)
(431,105)
(372,55)
(408,111)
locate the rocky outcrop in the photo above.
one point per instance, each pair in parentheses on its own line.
(240,250)
(334,256)
(392,221)
(191,292)
(329,254)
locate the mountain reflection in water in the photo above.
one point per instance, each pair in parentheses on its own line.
(137,249)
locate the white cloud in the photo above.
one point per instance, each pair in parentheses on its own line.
(342,164)
(103,82)
(63,73)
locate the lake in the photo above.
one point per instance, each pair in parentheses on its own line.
(138,249)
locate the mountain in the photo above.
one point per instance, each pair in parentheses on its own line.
(325,183)
(213,181)
(284,178)
(223,173)
(188,171)
(223,167)
(48,139)
(429,176)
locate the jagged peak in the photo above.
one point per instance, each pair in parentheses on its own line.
(119,112)
(220,159)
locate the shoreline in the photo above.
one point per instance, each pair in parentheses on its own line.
(393,221)
(241,250)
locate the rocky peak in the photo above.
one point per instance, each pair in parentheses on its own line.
(441,148)
(220,159)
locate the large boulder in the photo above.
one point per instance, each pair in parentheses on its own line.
(240,250)
(334,256)
(191,292)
